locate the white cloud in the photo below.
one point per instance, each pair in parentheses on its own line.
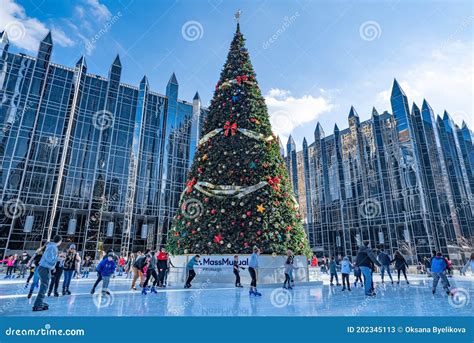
(26,32)
(287,112)
(98,10)
(444,78)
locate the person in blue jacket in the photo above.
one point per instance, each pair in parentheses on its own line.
(106,268)
(46,264)
(438,271)
(190,270)
(384,260)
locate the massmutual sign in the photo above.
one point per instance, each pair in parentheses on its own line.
(222,261)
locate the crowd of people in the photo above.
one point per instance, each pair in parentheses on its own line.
(48,264)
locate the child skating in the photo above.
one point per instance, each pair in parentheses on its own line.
(236,269)
(346,267)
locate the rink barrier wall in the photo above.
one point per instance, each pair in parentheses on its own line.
(219,269)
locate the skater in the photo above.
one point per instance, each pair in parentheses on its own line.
(427,263)
(151,271)
(47,262)
(99,277)
(162,266)
(253,268)
(56,274)
(129,265)
(400,265)
(384,260)
(69,268)
(236,269)
(170,264)
(333,271)
(469,264)
(106,268)
(25,258)
(138,270)
(190,270)
(358,276)
(121,265)
(86,267)
(365,260)
(346,267)
(10,267)
(288,269)
(438,270)
(34,264)
(314,262)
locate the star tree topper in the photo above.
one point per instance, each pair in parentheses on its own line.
(237,15)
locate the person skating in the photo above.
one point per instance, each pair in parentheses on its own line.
(253,268)
(236,269)
(385,261)
(121,265)
(23,264)
(86,267)
(346,267)
(358,276)
(151,271)
(129,265)
(162,266)
(438,271)
(333,271)
(138,270)
(99,277)
(168,267)
(10,267)
(106,268)
(365,260)
(56,274)
(34,264)
(69,268)
(288,269)
(190,271)
(400,265)
(46,264)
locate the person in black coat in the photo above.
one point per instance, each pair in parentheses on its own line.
(400,265)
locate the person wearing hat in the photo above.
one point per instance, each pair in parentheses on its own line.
(69,266)
(99,277)
(106,268)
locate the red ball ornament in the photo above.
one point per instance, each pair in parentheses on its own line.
(289,228)
(213,211)
(259,232)
(206,199)
(246,244)
(241,234)
(248,213)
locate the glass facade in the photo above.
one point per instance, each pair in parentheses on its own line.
(100,162)
(403,180)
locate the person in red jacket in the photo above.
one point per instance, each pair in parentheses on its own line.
(162,258)
(121,265)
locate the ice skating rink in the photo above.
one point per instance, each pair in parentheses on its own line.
(206,299)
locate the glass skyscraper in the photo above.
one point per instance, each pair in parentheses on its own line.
(100,162)
(403,180)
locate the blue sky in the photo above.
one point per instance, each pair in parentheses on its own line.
(314,59)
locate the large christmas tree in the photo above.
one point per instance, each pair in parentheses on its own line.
(238,193)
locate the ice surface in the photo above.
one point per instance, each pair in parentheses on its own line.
(225,300)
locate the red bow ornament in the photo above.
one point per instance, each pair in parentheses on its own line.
(228,126)
(241,79)
(274,182)
(189,185)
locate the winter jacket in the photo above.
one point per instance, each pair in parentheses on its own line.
(70,261)
(253,263)
(384,259)
(162,258)
(346,266)
(438,265)
(366,258)
(106,267)
(289,264)
(333,267)
(140,263)
(152,264)
(191,263)
(50,256)
(401,263)
(24,260)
